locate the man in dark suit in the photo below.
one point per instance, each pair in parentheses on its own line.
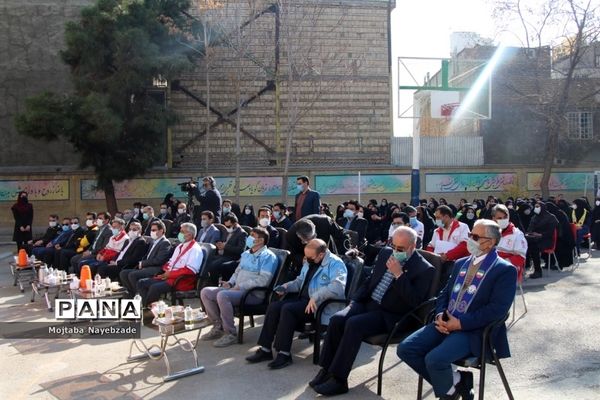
(147,219)
(102,236)
(311,227)
(54,229)
(308,201)
(464,308)
(72,242)
(210,199)
(129,257)
(353,223)
(264,221)
(224,263)
(152,263)
(209,233)
(400,282)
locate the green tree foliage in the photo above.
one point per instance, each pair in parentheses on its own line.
(114,51)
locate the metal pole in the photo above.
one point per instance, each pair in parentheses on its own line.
(415,179)
(359,187)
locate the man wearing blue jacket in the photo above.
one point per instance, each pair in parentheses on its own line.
(322,277)
(480,291)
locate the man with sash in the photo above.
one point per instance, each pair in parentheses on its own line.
(449,239)
(480,291)
(186,262)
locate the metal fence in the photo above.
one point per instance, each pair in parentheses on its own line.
(451,151)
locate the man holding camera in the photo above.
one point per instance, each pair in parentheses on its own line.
(209,197)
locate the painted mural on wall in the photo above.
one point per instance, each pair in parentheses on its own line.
(151,188)
(369,184)
(456,183)
(38,190)
(561,181)
(255,186)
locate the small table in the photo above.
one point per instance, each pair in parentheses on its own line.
(158,352)
(47,289)
(91,294)
(24,276)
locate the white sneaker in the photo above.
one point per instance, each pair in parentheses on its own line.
(214,333)
(226,340)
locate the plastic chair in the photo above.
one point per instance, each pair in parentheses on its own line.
(550,252)
(487,349)
(520,271)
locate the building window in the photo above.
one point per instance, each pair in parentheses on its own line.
(597,61)
(580,125)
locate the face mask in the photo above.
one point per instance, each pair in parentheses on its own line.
(473,247)
(115,231)
(439,223)
(100,222)
(163,210)
(527,212)
(510,207)
(401,256)
(226,210)
(136,210)
(360,215)
(52,224)
(574,206)
(300,188)
(154,235)
(502,223)
(383,203)
(127,216)
(597,203)
(470,215)
(181,211)
(264,222)
(229,230)
(413,220)
(537,210)
(277,214)
(181,237)
(395,226)
(74,226)
(89,223)
(348,214)
(65,228)
(247,211)
(145,216)
(250,242)
(133,234)
(204,223)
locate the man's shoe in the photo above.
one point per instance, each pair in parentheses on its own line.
(259,356)
(281,361)
(332,387)
(320,378)
(535,275)
(465,386)
(214,334)
(226,340)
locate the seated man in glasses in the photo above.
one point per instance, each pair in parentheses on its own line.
(480,291)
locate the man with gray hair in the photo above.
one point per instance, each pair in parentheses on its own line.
(400,282)
(185,262)
(480,291)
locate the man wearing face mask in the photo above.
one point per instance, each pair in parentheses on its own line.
(137,211)
(480,291)
(151,263)
(280,219)
(164,213)
(450,238)
(229,251)
(185,264)
(110,252)
(209,197)
(353,222)
(182,217)
(308,201)
(54,229)
(77,233)
(91,230)
(415,223)
(323,277)
(43,250)
(257,268)
(102,236)
(129,257)
(208,233)
(264,221)
(513,245)
(147,219)
(400,281)
(540,236)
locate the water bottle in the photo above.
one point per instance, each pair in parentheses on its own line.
(188,318)
(138,299)
(162,307)
(42,273)
(97,279)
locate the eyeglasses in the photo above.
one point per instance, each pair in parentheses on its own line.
(397,248)
(476,237)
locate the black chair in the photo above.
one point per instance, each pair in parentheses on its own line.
(250,310)
(246,229)
(168,225)
(177,296)
(487,350)
(410,322)
(353,239)
(223,229)
(282,237)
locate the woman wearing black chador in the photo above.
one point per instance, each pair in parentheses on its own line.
(23,213)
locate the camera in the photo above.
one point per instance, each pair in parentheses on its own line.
(187,186)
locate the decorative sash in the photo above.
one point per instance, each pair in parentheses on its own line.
(168,266)
(581,220)
(461,300)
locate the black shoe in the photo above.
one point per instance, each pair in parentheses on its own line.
(259,356)
(465,386)
(320,378)
(332,387)
(281,361)
(536,275)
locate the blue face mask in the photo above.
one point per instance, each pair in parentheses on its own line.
(250,242)
(115,231)
(401,256)
(65,228)
(181,237)
(277,214)
(145,216)
(226,210)
(413,221)
(348,214)
(439,223)
(299,187)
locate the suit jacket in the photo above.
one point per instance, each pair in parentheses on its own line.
(491,302)
(73,241)
(102,237)
(311,205)
(274,239)
(236,244)
(359,225)
(209,201)
(405,293)
(49,235)
(157,256)
(213,234)
(134,254)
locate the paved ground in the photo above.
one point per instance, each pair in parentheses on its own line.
(555,346)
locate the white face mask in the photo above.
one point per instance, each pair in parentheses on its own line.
(503,223)
(597,203)
(537,210)
(181,210)
(100,223)
(264,222)
(163,211)
(154,235)
(74,226)
(473,247)
(133,235)
(574,206)
(52,224)
(89,223)
(247,211)
(136,210)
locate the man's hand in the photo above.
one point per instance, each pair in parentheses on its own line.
(311,308)
(225,285)
(39,243)
(57,246)
(440,324)
(446,327)
(99,257)
(22,229)
(112,263)
(139,266)
(443,257)
(394,267)
(165,275)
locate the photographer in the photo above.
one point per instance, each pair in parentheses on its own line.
(209,198)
